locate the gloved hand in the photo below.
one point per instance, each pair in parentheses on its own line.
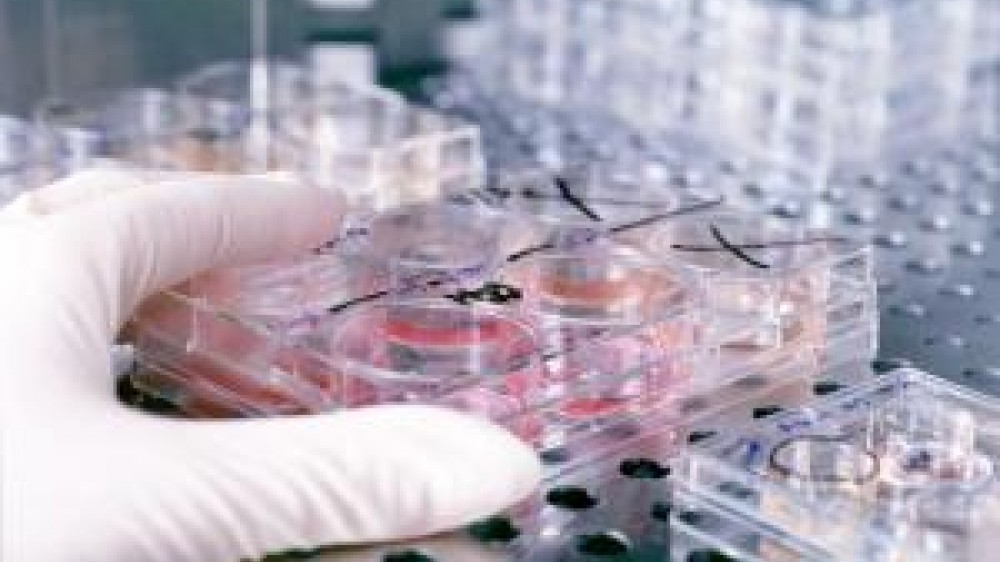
(86,479)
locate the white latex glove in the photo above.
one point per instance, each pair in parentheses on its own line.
(85,479)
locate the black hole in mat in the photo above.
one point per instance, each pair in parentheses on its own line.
(494,529)
(570,497)
(407,556)
(602,544)
(881,366)
(661,511)
(697,436)
(822,388)
(558,455)
(708,555)
(643,468)
(765,411)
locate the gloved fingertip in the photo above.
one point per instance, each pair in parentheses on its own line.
(438,469)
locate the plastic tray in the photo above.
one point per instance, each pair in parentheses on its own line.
(549,327)
(900,468)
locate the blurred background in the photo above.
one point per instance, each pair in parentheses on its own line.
(50,47)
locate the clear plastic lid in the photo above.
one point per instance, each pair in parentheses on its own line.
(619,329)
(419,251)
(283,295)
(476,358)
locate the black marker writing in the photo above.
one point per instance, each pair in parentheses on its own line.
(762,245)
(564,190)
(549,246)
(494,293)
(736,251)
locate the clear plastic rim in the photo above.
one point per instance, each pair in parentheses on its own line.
(626,260)
(864,463)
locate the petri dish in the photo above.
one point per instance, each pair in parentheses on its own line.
(476,358)
(420,252)
(604,283)
(618,330)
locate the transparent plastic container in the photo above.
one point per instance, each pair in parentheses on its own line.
(899,468)
(615,335)
(771,290)
(237,106)
(633,304)
(272,308)
(478,359)
(366,141)
(619,335)
(140,128)
(933,52)
(380,151)
(798,87)
(232,342)
(235,345)
(416,249)
(644,61)
(815,84)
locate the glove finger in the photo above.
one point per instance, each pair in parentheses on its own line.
(96,183)
(370,475)
(175,491)
(142,241)
(82,187)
